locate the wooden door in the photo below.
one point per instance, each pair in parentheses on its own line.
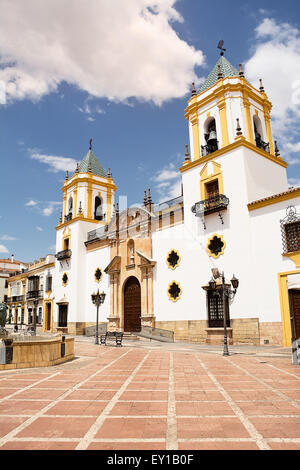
(132,305)
(48,317)
(295,310)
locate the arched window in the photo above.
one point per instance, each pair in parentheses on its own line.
(130,252)
(258,134)
(98,214)
(210,136)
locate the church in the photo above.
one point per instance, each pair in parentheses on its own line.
(159,264)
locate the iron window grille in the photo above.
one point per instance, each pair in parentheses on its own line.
(215,309)
(290,230)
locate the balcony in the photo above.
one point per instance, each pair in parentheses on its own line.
(213,146)
(16,298)
(34,294)
(262,145)
(65,254)
(68,217)
(210,205)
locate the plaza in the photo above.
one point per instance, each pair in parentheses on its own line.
(148,395)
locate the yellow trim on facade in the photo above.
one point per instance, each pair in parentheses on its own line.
(273,200)
(45,302)
(204,179)
(225,150)
(269,130)
(223,121)
(64,205)
(223,248)
(196,140)
(294,256)
(75,201)
(89,178)
(249,127)
(285,307)
(89,202)
(81,218)
(222,88)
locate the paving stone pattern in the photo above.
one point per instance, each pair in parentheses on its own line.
(134,398)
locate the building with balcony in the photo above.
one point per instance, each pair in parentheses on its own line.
(235,215)
(30,293)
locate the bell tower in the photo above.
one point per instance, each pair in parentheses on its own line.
(89,193)
(88,199)
(230,125)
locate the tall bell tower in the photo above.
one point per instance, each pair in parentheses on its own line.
(231,144)
(88,199)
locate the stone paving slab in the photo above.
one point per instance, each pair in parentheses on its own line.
(153,398)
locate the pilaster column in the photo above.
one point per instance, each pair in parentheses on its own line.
(248,119)
(223,121)
(195,128)
(89,201)
(269,131)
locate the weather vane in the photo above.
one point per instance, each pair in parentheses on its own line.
(220,46)
(91,140)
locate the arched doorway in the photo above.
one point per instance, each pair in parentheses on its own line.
(132,305)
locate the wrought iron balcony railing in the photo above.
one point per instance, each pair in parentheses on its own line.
(16,298)
(68,217)
(262,145)
(210,205)
(65,254)
(34,294)
(209,148)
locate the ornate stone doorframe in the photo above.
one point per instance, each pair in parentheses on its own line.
(114,270)
(118,277)
(146,266)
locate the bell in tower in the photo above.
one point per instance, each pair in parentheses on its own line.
(211,137)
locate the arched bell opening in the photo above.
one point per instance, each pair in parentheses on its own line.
(210,136)
(259,134)
(98,213)
(70,208)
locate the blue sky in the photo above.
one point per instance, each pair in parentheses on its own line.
(121,73)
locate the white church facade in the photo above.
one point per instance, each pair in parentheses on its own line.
(154,262)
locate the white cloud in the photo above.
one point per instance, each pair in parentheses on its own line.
(276,60)
(45,208)
(39,229)
(31,203)
(55,163)
(295,182)
(7,237)
(111,49)
(167,182)
(3,249)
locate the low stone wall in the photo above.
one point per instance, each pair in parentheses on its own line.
(40,353)
(241,331)
(75,328)
(270,333)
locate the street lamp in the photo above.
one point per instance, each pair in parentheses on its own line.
(98,300)
(35,304)
(225,292)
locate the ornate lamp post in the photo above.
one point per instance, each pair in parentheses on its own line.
(224,291)
(98,300)
(35,304)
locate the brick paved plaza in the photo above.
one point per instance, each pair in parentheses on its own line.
(153,398)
